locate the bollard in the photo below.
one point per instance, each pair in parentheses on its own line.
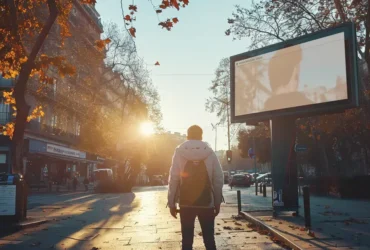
(261,188)
(264,190)
(239,202)
(306,205)
(256,185)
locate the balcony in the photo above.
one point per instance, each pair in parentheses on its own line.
(52,133)
(60,98)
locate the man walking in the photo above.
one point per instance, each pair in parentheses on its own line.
(195,182)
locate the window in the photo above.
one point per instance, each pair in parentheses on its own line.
(54,87)
(54,120)
(78,129)
(4,112)
(4,107)
(3,158)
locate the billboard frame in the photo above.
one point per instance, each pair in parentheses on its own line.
(307,110)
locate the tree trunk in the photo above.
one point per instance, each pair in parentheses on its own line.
(21,87)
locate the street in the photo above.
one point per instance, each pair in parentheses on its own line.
(138,220)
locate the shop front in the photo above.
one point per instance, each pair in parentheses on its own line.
(46,162)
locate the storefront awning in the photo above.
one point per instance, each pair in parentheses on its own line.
(64,158)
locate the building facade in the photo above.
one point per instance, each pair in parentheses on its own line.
(52,149)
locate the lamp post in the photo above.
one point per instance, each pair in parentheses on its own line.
(226,103)
(214,127)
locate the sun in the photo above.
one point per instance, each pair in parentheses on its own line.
(146,128)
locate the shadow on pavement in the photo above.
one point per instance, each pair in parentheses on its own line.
(75,220)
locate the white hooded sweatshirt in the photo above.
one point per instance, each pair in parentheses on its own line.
(195,150)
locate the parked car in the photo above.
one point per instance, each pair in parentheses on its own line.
(157,180)
(103,179)
(241,180)
(265,178)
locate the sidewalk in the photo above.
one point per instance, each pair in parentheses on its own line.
(336,223)
(62,189)
(138,220)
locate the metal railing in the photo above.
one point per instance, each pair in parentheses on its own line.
(5,117)
(52,132)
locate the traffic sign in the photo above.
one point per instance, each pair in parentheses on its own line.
(251,153)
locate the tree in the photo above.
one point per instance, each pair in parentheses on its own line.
(123,81)
(25,26)
(261,135)
(219,102)
(220,89)
(161,149)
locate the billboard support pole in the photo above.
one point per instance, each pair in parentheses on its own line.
(255,165)
(283,161)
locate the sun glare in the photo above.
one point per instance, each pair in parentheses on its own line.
(147,128)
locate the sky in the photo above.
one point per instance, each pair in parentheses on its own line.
(188,55)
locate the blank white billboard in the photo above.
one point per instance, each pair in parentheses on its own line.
(309,73)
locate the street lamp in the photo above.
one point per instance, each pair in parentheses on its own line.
(226,103)
(214,127)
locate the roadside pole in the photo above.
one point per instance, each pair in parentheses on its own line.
(255,166)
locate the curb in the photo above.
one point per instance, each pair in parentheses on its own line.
(24,225)
(15,227)
(260,224)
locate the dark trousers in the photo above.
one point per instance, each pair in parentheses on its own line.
(206,219)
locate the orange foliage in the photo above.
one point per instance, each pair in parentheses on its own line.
(100,44)
(168,24)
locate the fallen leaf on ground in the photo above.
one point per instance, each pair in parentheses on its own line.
(35,244)
(312,234)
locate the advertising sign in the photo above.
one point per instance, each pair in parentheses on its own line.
(50,148)
(7,199)
(313,73)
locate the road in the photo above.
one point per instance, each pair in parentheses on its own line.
(138,220)
(250,202)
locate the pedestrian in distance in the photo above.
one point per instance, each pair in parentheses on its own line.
(74,183)
(86,183)
(195,184)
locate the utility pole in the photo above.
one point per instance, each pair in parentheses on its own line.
(228,124)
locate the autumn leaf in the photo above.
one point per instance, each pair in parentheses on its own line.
(132,31)
(132,7)
(175,20)
(175,4)
(127,18)
(228,32)
(158,11)
(157,63)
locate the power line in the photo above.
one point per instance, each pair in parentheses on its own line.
(183,74)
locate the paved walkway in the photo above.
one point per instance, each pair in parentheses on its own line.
(138,220)
(336,223)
